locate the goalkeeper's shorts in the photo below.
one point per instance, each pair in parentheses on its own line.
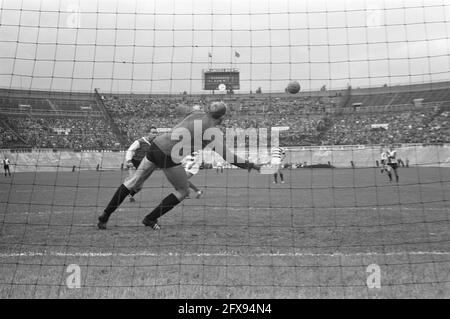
(393,165)
(135,163)
(156,156)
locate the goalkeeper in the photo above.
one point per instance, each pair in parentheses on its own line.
(164,153)
(137,151)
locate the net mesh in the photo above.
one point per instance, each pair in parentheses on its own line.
(81,80)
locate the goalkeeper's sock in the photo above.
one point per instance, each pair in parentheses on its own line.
(281,177)
(390,176)
(121,193)
(193,186)
(166,205)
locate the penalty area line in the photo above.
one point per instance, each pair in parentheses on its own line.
(218,254)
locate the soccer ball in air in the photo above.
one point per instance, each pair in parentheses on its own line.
(217,109)
(293,87)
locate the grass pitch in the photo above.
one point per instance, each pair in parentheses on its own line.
(312,237)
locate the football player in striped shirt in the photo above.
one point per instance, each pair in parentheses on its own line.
(277,154)
(136,152)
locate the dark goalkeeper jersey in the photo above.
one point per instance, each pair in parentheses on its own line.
(141,150)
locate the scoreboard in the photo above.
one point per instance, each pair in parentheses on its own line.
(225,78)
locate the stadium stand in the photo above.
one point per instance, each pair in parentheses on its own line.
(42,119)
(312,120)
(13,100)
(7,138)
(403,114)
(403,127)
(73,133)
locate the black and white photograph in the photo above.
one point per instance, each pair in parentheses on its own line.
(241,151)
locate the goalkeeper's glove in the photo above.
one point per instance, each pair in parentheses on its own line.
(130,164)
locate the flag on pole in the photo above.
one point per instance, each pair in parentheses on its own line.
(236,54)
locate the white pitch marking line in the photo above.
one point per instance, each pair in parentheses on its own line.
(234,208)
(18,191)
(225,254)
(398,207)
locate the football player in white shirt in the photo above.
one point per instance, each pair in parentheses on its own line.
(136,152)
(278,154)
(6,164)
(191,164)
(392,163)
(384,160)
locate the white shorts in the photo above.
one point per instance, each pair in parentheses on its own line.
(276,163)
(193,170)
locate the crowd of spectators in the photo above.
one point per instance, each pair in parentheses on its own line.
(425,126)
(438,130)
(74,133)
(311,121)
(8,138)
(303,115)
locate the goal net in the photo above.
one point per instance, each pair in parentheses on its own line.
(358,205)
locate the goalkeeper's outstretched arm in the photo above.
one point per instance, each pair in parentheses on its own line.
(232,158)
